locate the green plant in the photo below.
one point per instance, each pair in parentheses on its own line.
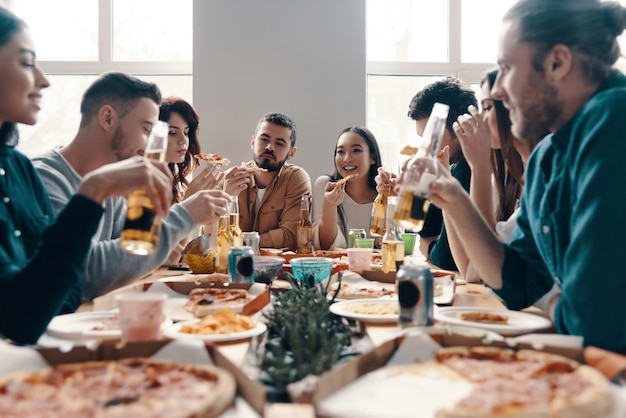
(304,337)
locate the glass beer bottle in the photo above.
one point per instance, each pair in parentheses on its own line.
(304,237)
(143,226)
(224,242)
(378,219)
(392,246)
(235,230)
(421,170)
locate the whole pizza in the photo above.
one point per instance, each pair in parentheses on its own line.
(524,383)
(136,387)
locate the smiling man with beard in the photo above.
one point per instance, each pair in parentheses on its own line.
(556,74)
(269,199)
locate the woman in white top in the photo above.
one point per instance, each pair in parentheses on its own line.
(339,207)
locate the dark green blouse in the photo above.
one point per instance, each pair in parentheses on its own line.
(41,259)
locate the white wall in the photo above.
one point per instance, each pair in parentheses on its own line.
(304,58)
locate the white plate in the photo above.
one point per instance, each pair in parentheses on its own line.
(519,322)
(81,325)
(173,332)
(342,309)
(175,309)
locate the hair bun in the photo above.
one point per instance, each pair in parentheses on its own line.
(615,16)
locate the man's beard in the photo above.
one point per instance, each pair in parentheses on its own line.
(538,115)
(266,164)
(117,145)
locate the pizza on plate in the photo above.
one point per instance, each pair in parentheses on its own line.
(484,317)
(524,383)
(205,300)
(223,322)
(213,158)
(347,291)
(136,387)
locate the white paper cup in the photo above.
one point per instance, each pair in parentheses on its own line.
(141,315)
(359,259)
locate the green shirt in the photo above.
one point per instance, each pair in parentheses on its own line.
(571,229)
(41,260)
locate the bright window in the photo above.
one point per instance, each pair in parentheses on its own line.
(76,40)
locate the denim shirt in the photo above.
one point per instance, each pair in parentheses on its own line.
(572,226)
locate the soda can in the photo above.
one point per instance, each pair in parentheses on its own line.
(353,235)
(252,239)
(415,295)
(241,265)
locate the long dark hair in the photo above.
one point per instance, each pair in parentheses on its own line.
(507,164)
(374,150)
(180,171)
(9,26)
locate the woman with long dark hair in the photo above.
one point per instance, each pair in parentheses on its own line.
(43,257)
(337,208)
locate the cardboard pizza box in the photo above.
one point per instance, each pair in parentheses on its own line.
(255,392)
(260,292)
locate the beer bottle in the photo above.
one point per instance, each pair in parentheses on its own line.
(224,242)
(235,230)
(378,219)
(421,170)
(305,228)
(393,246)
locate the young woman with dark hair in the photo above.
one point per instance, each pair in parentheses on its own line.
(339,207)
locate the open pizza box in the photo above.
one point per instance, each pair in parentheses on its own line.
(334,392)
(180,287)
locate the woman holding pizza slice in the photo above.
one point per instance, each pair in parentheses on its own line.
(42,256)
(344,199)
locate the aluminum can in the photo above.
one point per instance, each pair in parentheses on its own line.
(253,240)
(241,265)
(354,234)
(415,295)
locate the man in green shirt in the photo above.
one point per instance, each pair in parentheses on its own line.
(555,74)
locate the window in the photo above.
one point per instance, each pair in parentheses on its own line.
(151,39)
(411,43)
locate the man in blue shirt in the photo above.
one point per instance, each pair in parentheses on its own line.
(555,74)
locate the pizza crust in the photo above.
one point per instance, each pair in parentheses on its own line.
(129,387)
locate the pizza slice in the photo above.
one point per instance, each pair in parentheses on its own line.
(204,301)
(254,169)
(213,158)
(485,317)
(353,292)
(346,179)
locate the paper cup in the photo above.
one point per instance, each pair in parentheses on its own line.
(141,315)
(359,259)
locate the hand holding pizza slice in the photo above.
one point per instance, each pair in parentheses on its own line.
(213,158)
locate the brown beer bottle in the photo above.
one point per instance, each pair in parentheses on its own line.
(378,219)
(304,238)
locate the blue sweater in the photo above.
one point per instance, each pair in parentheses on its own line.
(571,228)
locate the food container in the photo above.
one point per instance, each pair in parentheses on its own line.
(199,256)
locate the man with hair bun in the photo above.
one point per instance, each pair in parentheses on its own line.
(556,74)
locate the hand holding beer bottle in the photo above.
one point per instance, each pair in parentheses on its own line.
(143,226)
(421,170)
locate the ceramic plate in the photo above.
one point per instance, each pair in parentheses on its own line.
(347,309)
(84,325)
(174,332)
(519,322)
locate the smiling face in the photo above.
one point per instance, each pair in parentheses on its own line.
(271,146)
(22,80)
(131,134)
(531,100)
(178,138)
(353,156)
